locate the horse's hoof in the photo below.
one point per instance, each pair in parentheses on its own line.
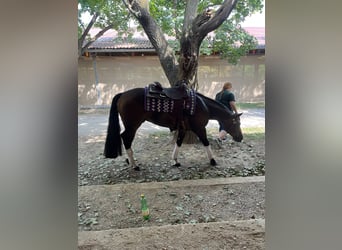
(176,164)
(136,168)
(127,161)
(213,162)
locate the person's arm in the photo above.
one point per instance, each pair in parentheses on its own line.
(232,104)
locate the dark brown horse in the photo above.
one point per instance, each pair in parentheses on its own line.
(131,107)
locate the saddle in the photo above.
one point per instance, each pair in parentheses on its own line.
(178,100)
(178,92)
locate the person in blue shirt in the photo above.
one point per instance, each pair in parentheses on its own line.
(227,98)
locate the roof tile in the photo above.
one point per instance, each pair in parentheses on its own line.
(110,42)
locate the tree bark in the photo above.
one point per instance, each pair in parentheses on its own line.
(189,50)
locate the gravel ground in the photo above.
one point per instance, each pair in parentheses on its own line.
(153,155)
(99,209)
(153,147)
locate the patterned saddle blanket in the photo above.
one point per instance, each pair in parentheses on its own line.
(159,100)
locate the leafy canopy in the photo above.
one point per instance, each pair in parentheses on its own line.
(229,40)
(108,12)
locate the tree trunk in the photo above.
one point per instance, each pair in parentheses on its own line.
(189,46)
(195,29)
(188,61)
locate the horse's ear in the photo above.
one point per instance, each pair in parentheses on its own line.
(239,114)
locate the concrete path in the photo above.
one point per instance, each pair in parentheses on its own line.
(95,124)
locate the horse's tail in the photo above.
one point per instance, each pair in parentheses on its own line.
(113,145)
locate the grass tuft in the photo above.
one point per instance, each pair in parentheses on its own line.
(250,105)
(254,133)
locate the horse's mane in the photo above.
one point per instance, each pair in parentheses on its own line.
(212,101)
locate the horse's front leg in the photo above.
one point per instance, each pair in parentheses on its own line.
(180,137)
(175,155)
(210,155)
(202,135)
(127,137)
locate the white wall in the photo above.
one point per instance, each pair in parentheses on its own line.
(117,74)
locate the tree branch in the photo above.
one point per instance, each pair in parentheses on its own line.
(174,15)
(129,5)
(165,52)
(86,31)
(190,13)
(210,20)
(99,34)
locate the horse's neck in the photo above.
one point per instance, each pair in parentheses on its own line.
(217,113)
(216,110)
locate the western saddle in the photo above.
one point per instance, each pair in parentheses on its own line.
(178,92)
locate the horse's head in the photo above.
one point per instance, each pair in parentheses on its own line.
(232,126)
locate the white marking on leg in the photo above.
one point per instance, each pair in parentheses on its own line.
(209,152)
(175,153)
(130,157)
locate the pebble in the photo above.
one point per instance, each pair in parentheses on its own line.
(174,178)
(200,198)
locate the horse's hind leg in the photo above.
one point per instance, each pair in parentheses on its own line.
(127,137)
(202,135)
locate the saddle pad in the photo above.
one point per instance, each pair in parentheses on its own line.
(167,105)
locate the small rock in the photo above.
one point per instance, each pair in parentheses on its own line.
(179,208)
(200,198)
(187,213)
(174,178)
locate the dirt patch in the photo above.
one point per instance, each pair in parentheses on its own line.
(232,235)
(181,202)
